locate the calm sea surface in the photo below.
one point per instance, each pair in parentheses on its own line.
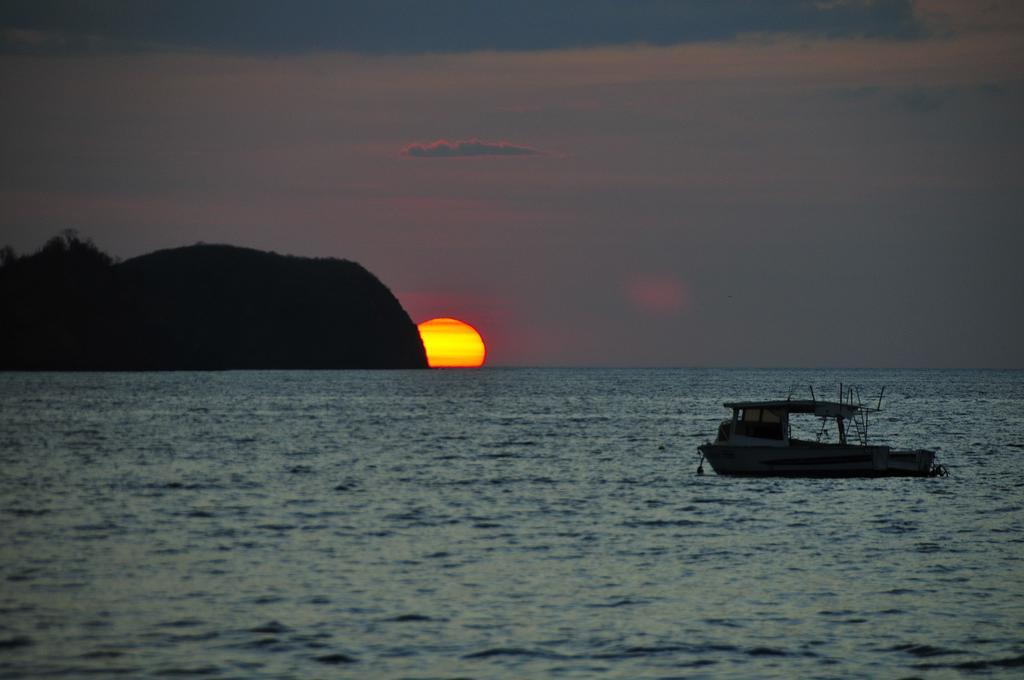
(496,523)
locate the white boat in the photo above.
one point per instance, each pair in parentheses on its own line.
(758,440)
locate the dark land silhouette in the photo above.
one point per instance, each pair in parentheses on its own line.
(70,307)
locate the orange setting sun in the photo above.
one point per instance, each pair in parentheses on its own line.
(451,343)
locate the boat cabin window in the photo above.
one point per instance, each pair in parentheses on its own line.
(763,423)
(761,415)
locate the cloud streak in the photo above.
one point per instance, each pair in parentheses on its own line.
(410,27)
(462,148)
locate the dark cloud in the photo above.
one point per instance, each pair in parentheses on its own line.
(466,147)
(415,26)
(922,101)
(992,89)
(919,99)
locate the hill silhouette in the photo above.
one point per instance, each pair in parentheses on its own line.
(69,306)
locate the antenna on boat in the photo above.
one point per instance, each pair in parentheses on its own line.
(812,393)
(879,407)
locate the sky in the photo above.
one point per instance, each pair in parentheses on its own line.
(587,182)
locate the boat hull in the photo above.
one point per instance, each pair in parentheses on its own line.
(818,461)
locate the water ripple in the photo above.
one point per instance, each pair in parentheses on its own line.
(494,523)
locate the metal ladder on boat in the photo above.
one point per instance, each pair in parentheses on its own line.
(860,418)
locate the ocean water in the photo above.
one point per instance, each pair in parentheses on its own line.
(496,524)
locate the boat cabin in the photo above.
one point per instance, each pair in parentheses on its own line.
(767,423)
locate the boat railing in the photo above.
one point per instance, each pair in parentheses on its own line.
(860,414)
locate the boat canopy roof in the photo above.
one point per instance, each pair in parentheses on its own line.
(827,409)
